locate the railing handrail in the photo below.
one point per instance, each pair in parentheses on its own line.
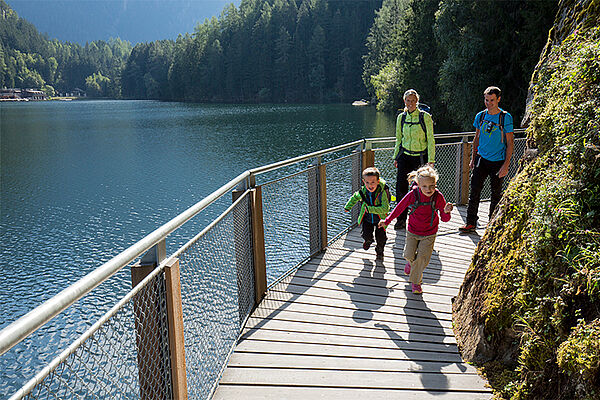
(20,329)
(436,136)
(290,161)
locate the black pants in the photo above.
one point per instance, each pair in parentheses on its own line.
(406,164)
(367,233)
(483,169)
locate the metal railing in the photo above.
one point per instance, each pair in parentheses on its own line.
(171,335)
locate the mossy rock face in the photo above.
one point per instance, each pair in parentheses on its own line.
(534,282)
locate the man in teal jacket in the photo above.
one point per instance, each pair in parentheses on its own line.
(375,206)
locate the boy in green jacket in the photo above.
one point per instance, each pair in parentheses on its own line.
(375,206)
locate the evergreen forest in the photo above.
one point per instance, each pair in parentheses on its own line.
(310,51)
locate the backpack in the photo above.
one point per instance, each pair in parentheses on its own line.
(417,203)
(500,123)
(422,107)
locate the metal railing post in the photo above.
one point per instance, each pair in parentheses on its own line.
(151,327)
(258,241)
(464,169)
(176,338)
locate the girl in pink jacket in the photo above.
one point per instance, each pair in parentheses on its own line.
(423,203)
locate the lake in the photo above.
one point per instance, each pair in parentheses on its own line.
(83,180)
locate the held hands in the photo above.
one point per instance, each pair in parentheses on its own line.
(448,208)
(381,224)
(395,163)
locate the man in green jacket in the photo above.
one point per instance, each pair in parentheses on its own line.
(415,145)
(375,205)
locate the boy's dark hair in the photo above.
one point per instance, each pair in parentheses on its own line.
(371,171)
(493,90)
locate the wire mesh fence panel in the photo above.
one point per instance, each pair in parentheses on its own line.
(286,223)
(519,149)
(217,289)
(339,190)
(126,358)
(447,163)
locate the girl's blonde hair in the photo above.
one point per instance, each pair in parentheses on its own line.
(426,171)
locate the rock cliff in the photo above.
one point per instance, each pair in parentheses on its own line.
(528,311)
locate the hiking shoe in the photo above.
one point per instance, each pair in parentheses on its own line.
(467,228)
(407,269)
(416,289)
(399,225)
(366,244)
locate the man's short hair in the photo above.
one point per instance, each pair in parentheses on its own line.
(371,171)
(493,90)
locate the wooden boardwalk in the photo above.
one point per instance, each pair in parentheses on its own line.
(344,326)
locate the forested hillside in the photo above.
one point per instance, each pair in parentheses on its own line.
(265,50)
(28,59)
(529,308)
(306,51)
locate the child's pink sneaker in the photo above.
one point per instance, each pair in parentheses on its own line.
(407,269)
(416,289)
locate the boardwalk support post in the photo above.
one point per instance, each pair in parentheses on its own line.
(357,163)
(258,241)
(368,156)
(464,170)
(151,325)
(317,207)
(176,338)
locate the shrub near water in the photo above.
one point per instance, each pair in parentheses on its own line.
(541,255)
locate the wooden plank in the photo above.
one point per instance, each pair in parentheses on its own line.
(376,312)
(334,297)
(368,331)
(353,379)
(398,341)
(375,276)
(401,293)
(435,269)
(240,359)
(379,290)
(257,346)
(395,324)
(256,392)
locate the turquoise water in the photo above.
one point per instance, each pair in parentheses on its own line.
(83,180)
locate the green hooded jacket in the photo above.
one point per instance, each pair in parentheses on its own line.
(382,203)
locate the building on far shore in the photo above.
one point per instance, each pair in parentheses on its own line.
(15,94)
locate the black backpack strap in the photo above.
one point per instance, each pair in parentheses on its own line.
(482,119)
(412,207)
(501,121)
(432,202)
(402,122)
(363,196)
(386,189)
(422,121)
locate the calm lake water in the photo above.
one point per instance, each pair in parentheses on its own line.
(83,180)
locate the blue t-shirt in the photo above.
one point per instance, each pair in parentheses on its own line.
(492,145)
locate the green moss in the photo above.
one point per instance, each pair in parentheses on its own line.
(580,353)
